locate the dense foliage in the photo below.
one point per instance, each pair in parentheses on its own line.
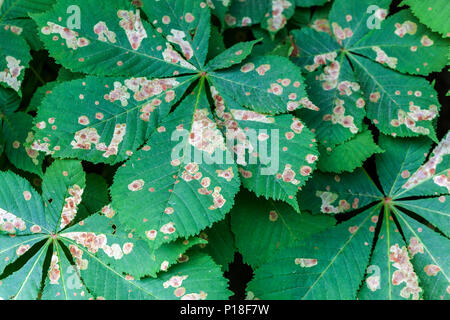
(178,149)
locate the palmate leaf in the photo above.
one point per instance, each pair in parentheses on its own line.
(328,265)
(340,63)
(108,125)
(432,13)
(409,258)
(261,227)
(341,107)
(80,254)
(16,132)
(255,83)
(187,189)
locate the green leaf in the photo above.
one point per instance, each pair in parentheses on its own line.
(327,265)
(26,28)
(429,252)
(216,43)
(21,208)
(13,247)
(62,281)
(96,257)
(123,251)
(276,173)
(316,19)
(14,58)
(409,46)
(9,101)
(191,183)
(261,84)
(262,227)
(272,15)
(278,45)
(310,3)
(14,17)
(220,244)
(335,194)
(435,210)
(351,20)
(334,89)
(176,19)
(401,159)
(67,75)
(246,12)
(349,155)
(279,12)
(125,45)
(25,283)
(16,134)
(390,262)
(62,191)
(433,13)
(200,278)
(432,178)
(40,94)
(17,130)
(95,196)
(108,119)
(235,54)
(398,104)
(219,8)
(12,9)
(410,269)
